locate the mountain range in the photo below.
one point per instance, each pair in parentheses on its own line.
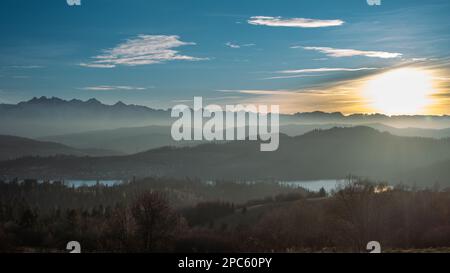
(50,116)
(42,117)
(56,138)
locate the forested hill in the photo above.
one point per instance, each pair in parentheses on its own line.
(12,147)
(320,154)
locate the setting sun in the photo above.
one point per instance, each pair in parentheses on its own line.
(404,91)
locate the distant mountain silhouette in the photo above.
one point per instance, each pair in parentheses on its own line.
(40,117)
(298,129)
(320,154)
(51,116)
(412,132)
(401,121)
(12,147)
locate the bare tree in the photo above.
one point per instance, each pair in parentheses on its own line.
(156,222)
(357,213)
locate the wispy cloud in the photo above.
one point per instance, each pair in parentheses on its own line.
(142,50)
(339,53)
(113,88)
(231,45)
(301,73)
(293,22)
(235,45)
(419,59)
(291,76)
(325,69)
(208,99)
(97,65)
(259,92)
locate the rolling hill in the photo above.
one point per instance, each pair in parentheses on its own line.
(126,140)
(320,154)
(132,140)
(12,147)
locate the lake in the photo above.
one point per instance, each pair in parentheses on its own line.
(312,185)
(316,185)
(90,183)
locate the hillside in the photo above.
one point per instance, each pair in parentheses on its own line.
(132,140)
(12,147)
(320,154)
(127,140)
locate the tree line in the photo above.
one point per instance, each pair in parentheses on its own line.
(187,215)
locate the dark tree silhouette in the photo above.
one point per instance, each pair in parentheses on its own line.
(156,222)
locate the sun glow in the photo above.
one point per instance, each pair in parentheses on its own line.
(404,91)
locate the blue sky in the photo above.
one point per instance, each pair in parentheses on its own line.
(160,53)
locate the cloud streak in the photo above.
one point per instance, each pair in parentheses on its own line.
(235,46)
(339,53)
(291,76)
(259,92)
(232,45)
(293,22)
(325,69)
(301,73)
(113,88)
(142,50)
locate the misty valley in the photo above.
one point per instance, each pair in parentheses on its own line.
(335,183)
